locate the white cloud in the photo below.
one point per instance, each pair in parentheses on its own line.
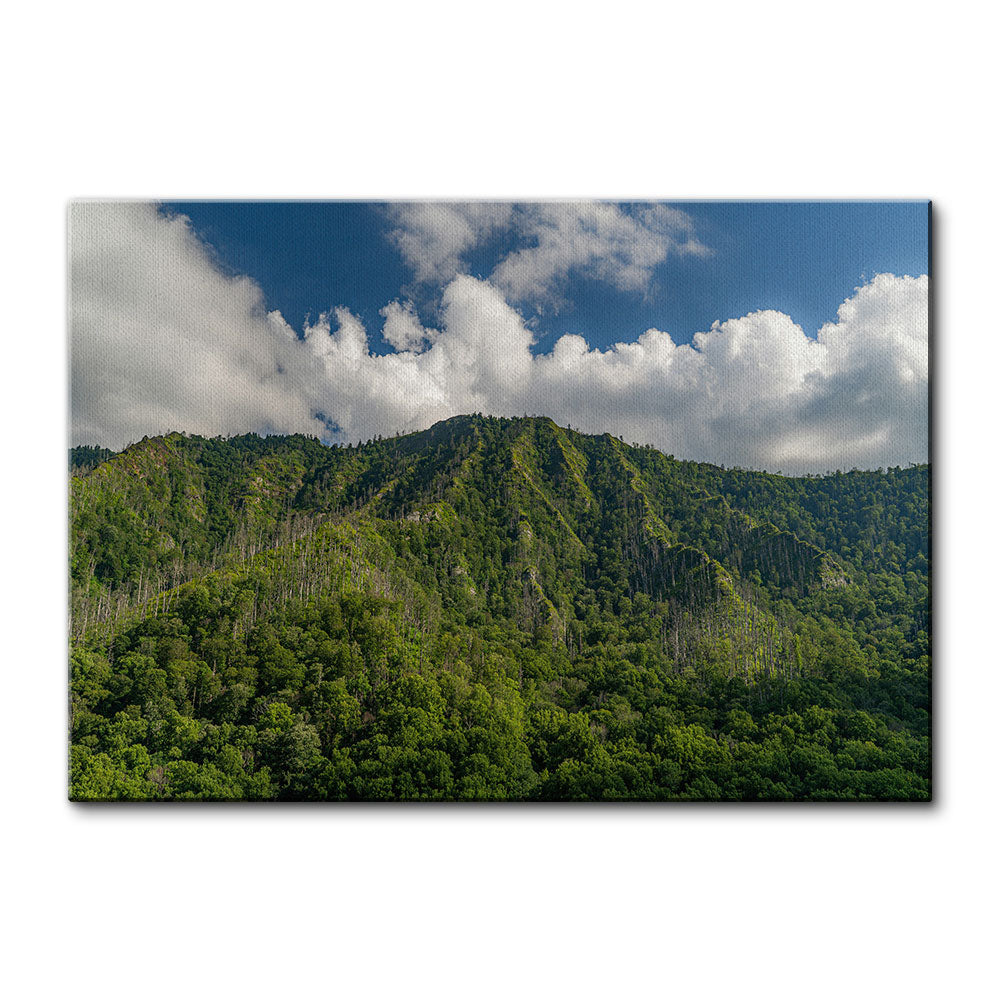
(162,340)
(403,330)
(594,240)
(554,240)
(757,392)
(434,237)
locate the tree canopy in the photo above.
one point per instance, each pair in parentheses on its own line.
(492,609)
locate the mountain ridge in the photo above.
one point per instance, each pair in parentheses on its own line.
(530,542)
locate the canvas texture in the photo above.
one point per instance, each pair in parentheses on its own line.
(507,501)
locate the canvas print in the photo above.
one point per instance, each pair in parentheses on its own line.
(507,501)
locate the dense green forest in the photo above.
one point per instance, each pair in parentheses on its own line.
(492,609)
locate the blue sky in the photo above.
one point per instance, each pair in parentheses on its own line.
(782,336)
(801,258)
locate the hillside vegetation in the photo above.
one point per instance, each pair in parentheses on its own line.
(492,609)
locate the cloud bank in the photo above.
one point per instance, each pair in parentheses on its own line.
(163,340)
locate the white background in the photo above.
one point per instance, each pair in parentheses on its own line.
(514,99)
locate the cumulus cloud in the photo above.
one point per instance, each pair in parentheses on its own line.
(550,241)
(163,340)
(757,392)
(403,330)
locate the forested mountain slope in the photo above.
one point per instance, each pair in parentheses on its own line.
(492,609)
